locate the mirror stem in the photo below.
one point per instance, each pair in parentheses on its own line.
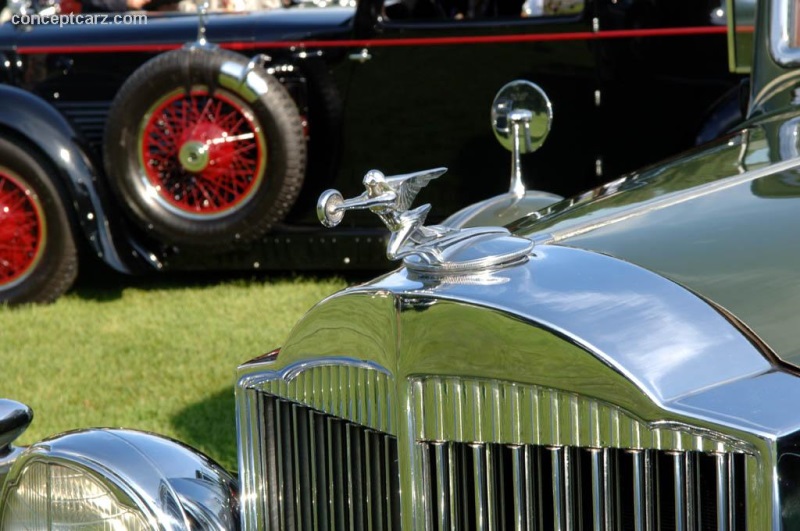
(520,122)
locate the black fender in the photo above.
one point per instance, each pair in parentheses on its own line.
(31,119)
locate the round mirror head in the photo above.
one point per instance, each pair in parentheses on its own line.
(523,107)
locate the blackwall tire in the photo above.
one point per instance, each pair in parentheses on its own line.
(202,151)
(38,257)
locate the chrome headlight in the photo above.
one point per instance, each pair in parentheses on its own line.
(116,479)
(48,495)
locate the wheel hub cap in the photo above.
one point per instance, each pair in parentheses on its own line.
(193,156)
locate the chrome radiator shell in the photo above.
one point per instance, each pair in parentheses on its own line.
(624,358)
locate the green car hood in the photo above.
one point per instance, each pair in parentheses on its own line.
(723,220)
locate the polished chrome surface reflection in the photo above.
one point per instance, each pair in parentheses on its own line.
(172,486)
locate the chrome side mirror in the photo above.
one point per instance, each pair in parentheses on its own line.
(14,420)
(521,118)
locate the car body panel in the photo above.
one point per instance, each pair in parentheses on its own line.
(714,221)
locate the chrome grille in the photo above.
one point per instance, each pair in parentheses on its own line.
(325,472)
(502,455)
(528,487)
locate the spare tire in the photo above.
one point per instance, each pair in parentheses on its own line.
(204,149)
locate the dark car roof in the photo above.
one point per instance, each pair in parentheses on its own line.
(721,221)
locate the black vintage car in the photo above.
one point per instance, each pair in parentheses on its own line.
(151,154)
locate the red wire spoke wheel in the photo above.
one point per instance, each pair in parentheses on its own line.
(204,155)
(38,258)
(204,149)
(22,229)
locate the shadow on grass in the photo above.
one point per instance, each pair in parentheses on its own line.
(99,283)
(210,426)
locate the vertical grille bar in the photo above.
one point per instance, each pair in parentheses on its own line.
(556,459)
(355,487)
(271,463)
(378,501)
(443,500)
(723,493)
(608,490)
(518,490)
(649,492)
(287,447)
(318,426)
(531,492)
(598,490)
(639,491)
(479,483)
(392,482)
(338,508)
(453,477)
(570,507)
(369,501)
(493,496)
(302,473)
(679,486)
(690,487)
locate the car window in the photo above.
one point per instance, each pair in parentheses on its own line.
(460,10)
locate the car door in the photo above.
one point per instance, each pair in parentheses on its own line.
(424,80)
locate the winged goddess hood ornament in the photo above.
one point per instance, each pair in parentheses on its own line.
(432,248)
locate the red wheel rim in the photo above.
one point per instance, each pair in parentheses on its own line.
(21,229)
(203,154)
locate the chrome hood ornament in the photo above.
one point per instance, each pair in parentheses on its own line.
(430,249)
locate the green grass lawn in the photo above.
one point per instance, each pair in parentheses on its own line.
(152,354)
